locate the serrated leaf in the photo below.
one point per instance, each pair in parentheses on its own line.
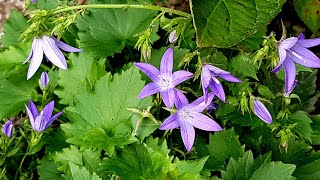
(81,173)
(274,171)
(308,11)
(265,91)
(13,27)
(106,31)
(239,169)
(224,23)
(303,127)
(191,167)
(83,71)
(222,146)
(71,154)
(47,170)
(242,64)
(14,56)
(100,118)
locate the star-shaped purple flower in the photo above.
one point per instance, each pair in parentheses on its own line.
(209,79)
(292,50)
(51,48)
(261,111)
(189,116)
(42,121)
(164,80)
(7,128)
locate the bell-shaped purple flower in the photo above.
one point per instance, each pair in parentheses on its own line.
(164,80)
(51,48)
(294,50)
(42,121)
(44,81)
(173,36)
(209,79)
(7,128)
(189,116)
(261,111)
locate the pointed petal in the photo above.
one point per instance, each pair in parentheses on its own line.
(53,53)
(304,57)
(306,43)
(180,99)
(288,43)
(216,70)
(168,97)
(301,37)
(52,119)
(290,72)
(217,89)
(180,76)
(277,69)
(229,77)
(66,47)
(170,123)
(152,72)
(31,118)
(30,54)
(205,76)
(47,111)
(203,122)
(37,56)
(166,64)
(40,123)
(149,90)
(33,109)
(200,104)
(262,112)
(282,57)
(187,134)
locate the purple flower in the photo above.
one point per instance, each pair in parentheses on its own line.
(34,1)
(44,80)
(7,128)
(189,116)
(173,36)
(164,80)
(261,111)
(209,79)
(42,121)
(51,48)
(292,50)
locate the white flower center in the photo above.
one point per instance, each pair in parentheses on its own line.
(165,82)
(184,115)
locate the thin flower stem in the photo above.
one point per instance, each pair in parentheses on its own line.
(21,163)
(121,6)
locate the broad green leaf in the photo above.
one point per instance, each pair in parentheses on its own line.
(48,170)
(243,65)
(81,173)
(222,146)
(310,171)
(303,127)
(309,12)
(224,23)
(191,167)
(55,140)
(14,56)
(12,29)
(274,171)
(265,91)
(71,154)
(83,71)
(254,41)
(106,31)
(145,126)
(100,118)
(239,169)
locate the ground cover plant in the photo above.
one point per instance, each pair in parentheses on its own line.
(146,89)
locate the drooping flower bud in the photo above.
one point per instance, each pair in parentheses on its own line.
(7,128)
(261,111)
(173,36)
(44,81)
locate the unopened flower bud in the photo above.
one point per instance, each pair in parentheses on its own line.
(7,128)
(261,111)
(173,36)
(44,81)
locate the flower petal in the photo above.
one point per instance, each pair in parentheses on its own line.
(304,57)
(47,110)
(217,89)
(40,122)
(180,76)
(203,122)
(52,119)
(7,128)
(205,76)
(215,70)
(53,53)
(180,99)
(33,109)
(187,134)
(170,123)
(229,77)
(168,97)
(149,90)
(262,112)
(290,72)
(200,104)
(309,42)
(31,52)
(166,64)
(66,47)
(31,118)
(37,56)
(288,43)
(151,71)
(282,57)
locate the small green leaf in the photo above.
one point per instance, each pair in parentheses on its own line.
(243,64)
(81,173)
(239,169)
(48,170)
(302,127)
(274,171)
(309,12)
(191,167)
(265,91)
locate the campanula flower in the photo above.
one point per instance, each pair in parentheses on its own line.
(209,79)
(34,1)
(51,48)
(42,121)
(189,116)
(44,81)
(7,128)
(164,80)
(294,50)
(261,111)
(173,36)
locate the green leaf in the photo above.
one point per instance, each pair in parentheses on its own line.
(239,169)
(308,167)
(224,23)
(47,170)
(83,71)
(274,171)
(309,12)
(191,167)
(100,118)
(13,27)
(265,91)
(243,64)
(14,56)
(303,127)
(146,126)
(254,41)
(71,154)
(222,146)
(81,173)
(106,31)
